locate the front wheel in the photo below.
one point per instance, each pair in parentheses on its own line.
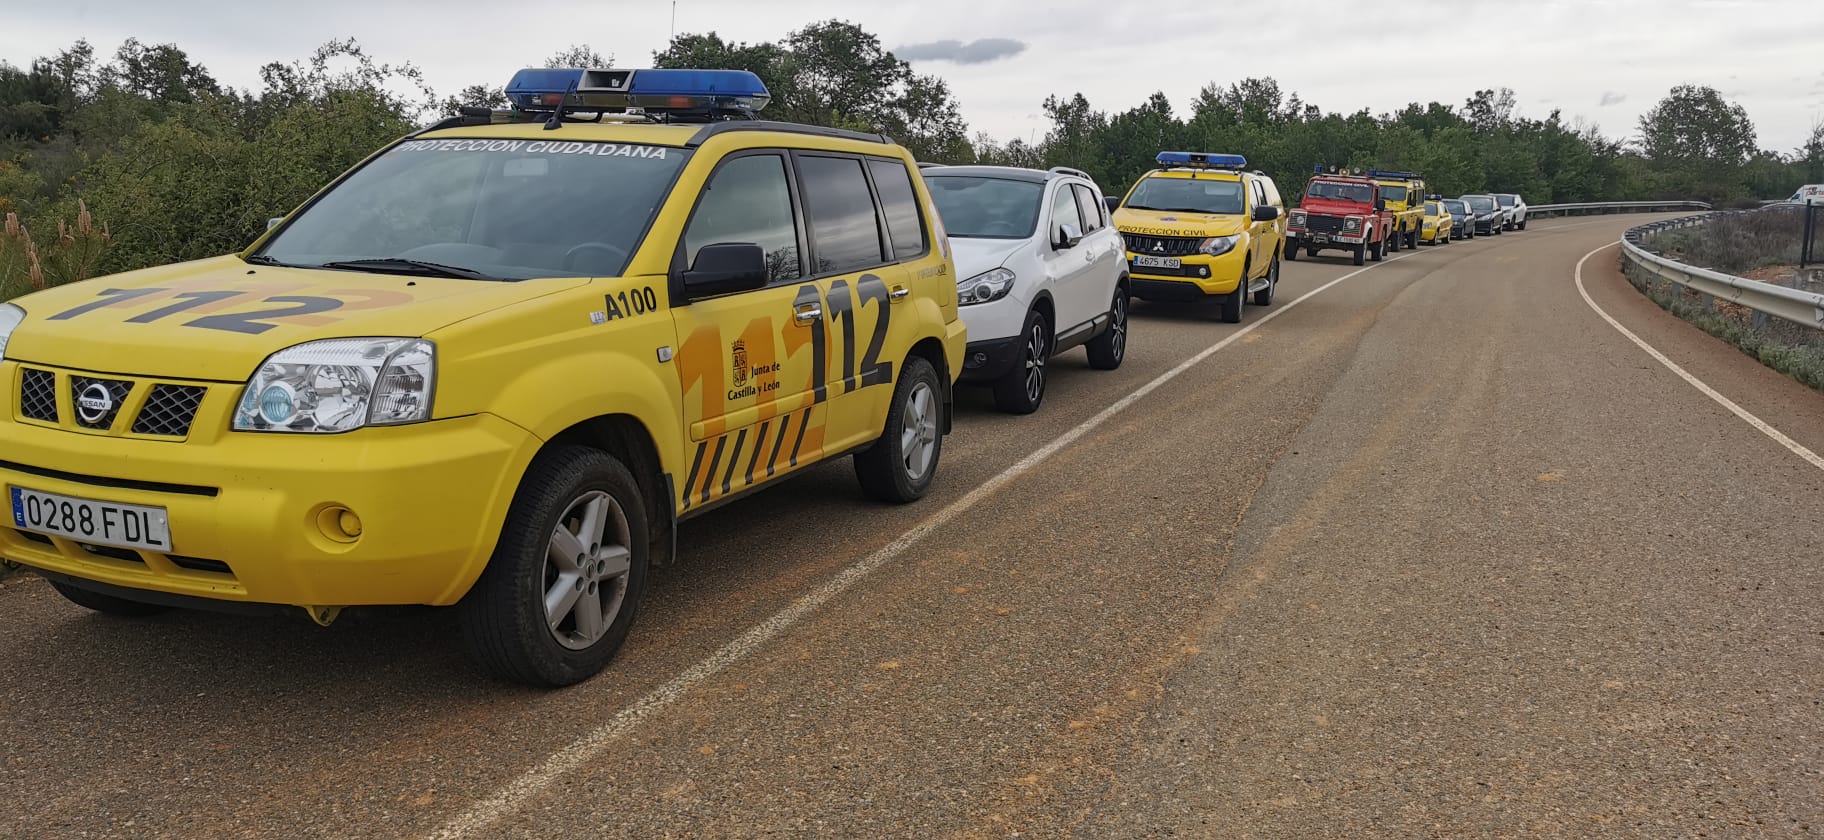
(105,604)
(899,466)
(1292,251)
(1264,297)
(1412,239)
(1108,349)
(1522,224)
(1020,390)
(1361,252)
(1231,302)
(1377,251)
(1391,240)
(560,593)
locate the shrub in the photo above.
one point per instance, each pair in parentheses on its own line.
(74,254)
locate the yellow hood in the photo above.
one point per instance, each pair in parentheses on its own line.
(217,319)
(1172,223)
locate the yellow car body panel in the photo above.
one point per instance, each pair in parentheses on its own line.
(517,364)
(1438,227)
(1259,241)
(1408,212)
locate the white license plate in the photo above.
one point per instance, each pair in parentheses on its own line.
(1141,261)
(98,523)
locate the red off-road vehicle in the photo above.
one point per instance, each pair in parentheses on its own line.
(1343,212)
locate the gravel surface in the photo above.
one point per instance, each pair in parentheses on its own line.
(1435,553)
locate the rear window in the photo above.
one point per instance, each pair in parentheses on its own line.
(845,230)
(905,226)
(1506,200)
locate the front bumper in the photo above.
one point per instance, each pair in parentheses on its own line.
(1197,276)
(1430,234)
(991,359)
(1308,240)
(247,510)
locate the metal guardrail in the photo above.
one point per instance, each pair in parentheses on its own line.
(1602,207)
(1804,308)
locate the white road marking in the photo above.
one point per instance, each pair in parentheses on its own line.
(573,757)
(1766,429)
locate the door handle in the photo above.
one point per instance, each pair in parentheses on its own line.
(807,314)
(898,293)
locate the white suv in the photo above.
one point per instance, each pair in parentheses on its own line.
(1513,208)
(1039,271)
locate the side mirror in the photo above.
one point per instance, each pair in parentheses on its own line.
(1067,238)
(274,222)
(1113,202)
(724,268)
(1265,213)
(1380,204)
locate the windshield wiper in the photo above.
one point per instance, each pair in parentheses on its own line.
(398,265)
(262,259)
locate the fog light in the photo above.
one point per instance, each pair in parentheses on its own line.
(1203,272)
(339,523)
(349,523)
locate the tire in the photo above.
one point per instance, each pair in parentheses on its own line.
(1108,349)
(1391,241)
(1264,297)
(1311,252)
(1231,302)
(573,499)
(1292,252)
(1361,251)
(1376,252)
(1522,225)
(1021,390)
(899,467)
(106,604)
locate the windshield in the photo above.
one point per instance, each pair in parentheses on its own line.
(1506,200)
(1339,191)
(1480,203)
(975,207)
(1393,193)
(1187,195)
(506,209)
(1455,207)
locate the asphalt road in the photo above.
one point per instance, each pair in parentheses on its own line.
(1435,552)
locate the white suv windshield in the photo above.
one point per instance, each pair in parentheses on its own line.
(1187,195)
(502,209)
(979,207)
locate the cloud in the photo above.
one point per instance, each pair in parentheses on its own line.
(980,51)
(1610,97)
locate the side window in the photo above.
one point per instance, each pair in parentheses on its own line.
(845,229)
(747,200)
(1090,208)
(905,225)
(1064,211)
(1260,193)
(1273,196)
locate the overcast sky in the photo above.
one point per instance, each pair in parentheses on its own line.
(1603,60)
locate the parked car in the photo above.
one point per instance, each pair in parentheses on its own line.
(1515,208)
(1808,194)
(1489,217)
(1438,224)
(1203,226)
(1040,270)
(1462,221)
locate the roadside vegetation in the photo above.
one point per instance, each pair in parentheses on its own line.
(110,163)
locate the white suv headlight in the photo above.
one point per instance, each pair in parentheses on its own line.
(993,284)
(10,317)
(341,384)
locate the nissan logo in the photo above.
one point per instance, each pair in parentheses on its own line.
(94,403)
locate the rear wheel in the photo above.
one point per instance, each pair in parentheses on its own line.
(1108,349)
(1264,297)
(899,466)
(1022,389)
(1311,252)
(107,604)
(560,593)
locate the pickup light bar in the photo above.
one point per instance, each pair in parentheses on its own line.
(1202,160)
(1391,175)
(705,94)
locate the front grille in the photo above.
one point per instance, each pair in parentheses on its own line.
(1161,246)
(169,410)
(1324,224)
(105,397)
(199,564)
(38,395)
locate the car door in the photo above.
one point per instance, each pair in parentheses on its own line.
(1260,236)
(1069,266)
(751,408)
(1107,251)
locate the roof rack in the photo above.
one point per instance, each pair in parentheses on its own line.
(716,128)
(1075,173)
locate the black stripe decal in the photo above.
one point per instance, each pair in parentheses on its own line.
(759,447)
(778,444)
(709,475)
(690,481)
(734,459)
(796,446)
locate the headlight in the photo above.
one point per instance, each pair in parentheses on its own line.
(1352,224)
(1220,245)
(1296,217)
(984,287)
(341,384)
(10,316)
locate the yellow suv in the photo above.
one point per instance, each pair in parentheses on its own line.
(492,366)
(1203,227)
(1404,193)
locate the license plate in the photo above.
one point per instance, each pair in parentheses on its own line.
(1141,261)
(1322,237)
(98,523)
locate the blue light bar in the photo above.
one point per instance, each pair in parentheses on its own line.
(662,91)
(1202,160)
(1382,173)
